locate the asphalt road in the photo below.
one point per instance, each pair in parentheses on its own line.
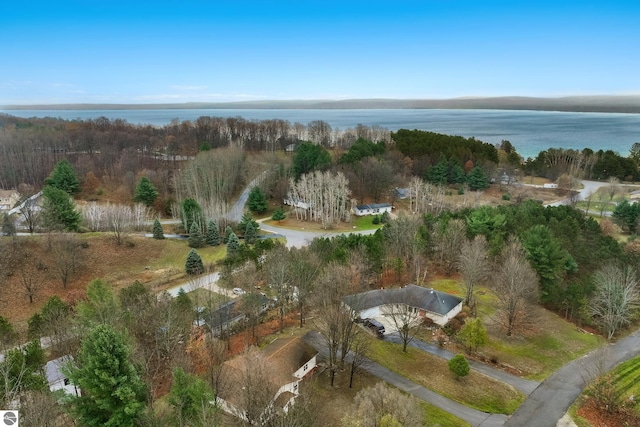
(549,402)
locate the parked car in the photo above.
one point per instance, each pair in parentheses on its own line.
(375,326)
(238,291)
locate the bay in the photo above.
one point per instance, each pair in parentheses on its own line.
(529,131)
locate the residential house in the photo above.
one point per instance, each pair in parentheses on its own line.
(373,209)
(56,379)
(8,199)
(288,361)
(438,306)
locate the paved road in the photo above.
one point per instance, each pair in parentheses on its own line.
(208,281)
(300,238)
(522,384)
(549,402)
(472,416)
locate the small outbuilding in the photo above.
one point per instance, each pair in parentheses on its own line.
(56,379)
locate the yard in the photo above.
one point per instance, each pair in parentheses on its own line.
(549,345)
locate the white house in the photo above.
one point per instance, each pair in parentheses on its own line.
(56,379)
(289,360)
(438,306)
(373,209)
(8,199)
(301,204)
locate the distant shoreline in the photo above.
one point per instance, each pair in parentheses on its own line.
(579,104)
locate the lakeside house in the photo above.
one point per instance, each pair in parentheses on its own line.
(373,209)
(438,306)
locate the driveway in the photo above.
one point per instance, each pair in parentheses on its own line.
(472,416)
(300,238)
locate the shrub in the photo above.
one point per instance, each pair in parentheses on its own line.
(459,366)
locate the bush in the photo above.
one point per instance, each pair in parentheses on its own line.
(376,219)
(506,197)
(459,366)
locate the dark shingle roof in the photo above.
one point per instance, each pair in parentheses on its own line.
(411,295)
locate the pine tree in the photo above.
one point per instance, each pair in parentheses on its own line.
(189,395)
(8,225)
(212,237)
(195,236)
(59,211)
(459,366)
(228,231)
(233,245)
(257,201)
(246,219)
(158,232)
(146,192)
(476,179)
(250,234)
(63,177)
(279,215)
(194,263)
(113,395)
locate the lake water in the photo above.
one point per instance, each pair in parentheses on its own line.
(529,131)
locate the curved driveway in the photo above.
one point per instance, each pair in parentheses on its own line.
(300,238)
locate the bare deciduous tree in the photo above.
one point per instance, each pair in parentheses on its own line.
(253,387)
(321,197)
(448,239)
(383,405)
(67,256)
(616,298)
(473,264)
(405,319)
(515,285)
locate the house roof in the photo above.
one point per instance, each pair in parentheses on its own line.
(373,206)
(412,295)
(53,369)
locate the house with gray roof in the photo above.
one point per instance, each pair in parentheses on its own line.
(438,306)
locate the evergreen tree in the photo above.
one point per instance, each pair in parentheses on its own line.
(257,200)
(228,231)
(195,236)
(63,177)
(250,234)
(438,174)
(158,232)
(212,237)
(477,179)
(233,245)
(247,219)
(146,192)
(8,225)
(190,212)
(456,175)
(189,396)
(278,215)
(59,211)
(459,366)
(194,263)
(113,395)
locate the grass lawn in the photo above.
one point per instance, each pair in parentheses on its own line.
(338,400)
(476,390)
(626,379)
(552,343)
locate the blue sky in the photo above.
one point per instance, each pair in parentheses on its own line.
(155,52)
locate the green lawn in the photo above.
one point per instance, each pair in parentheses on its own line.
(552,343)
(476,391)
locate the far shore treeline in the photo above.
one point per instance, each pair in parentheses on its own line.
(114,154)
